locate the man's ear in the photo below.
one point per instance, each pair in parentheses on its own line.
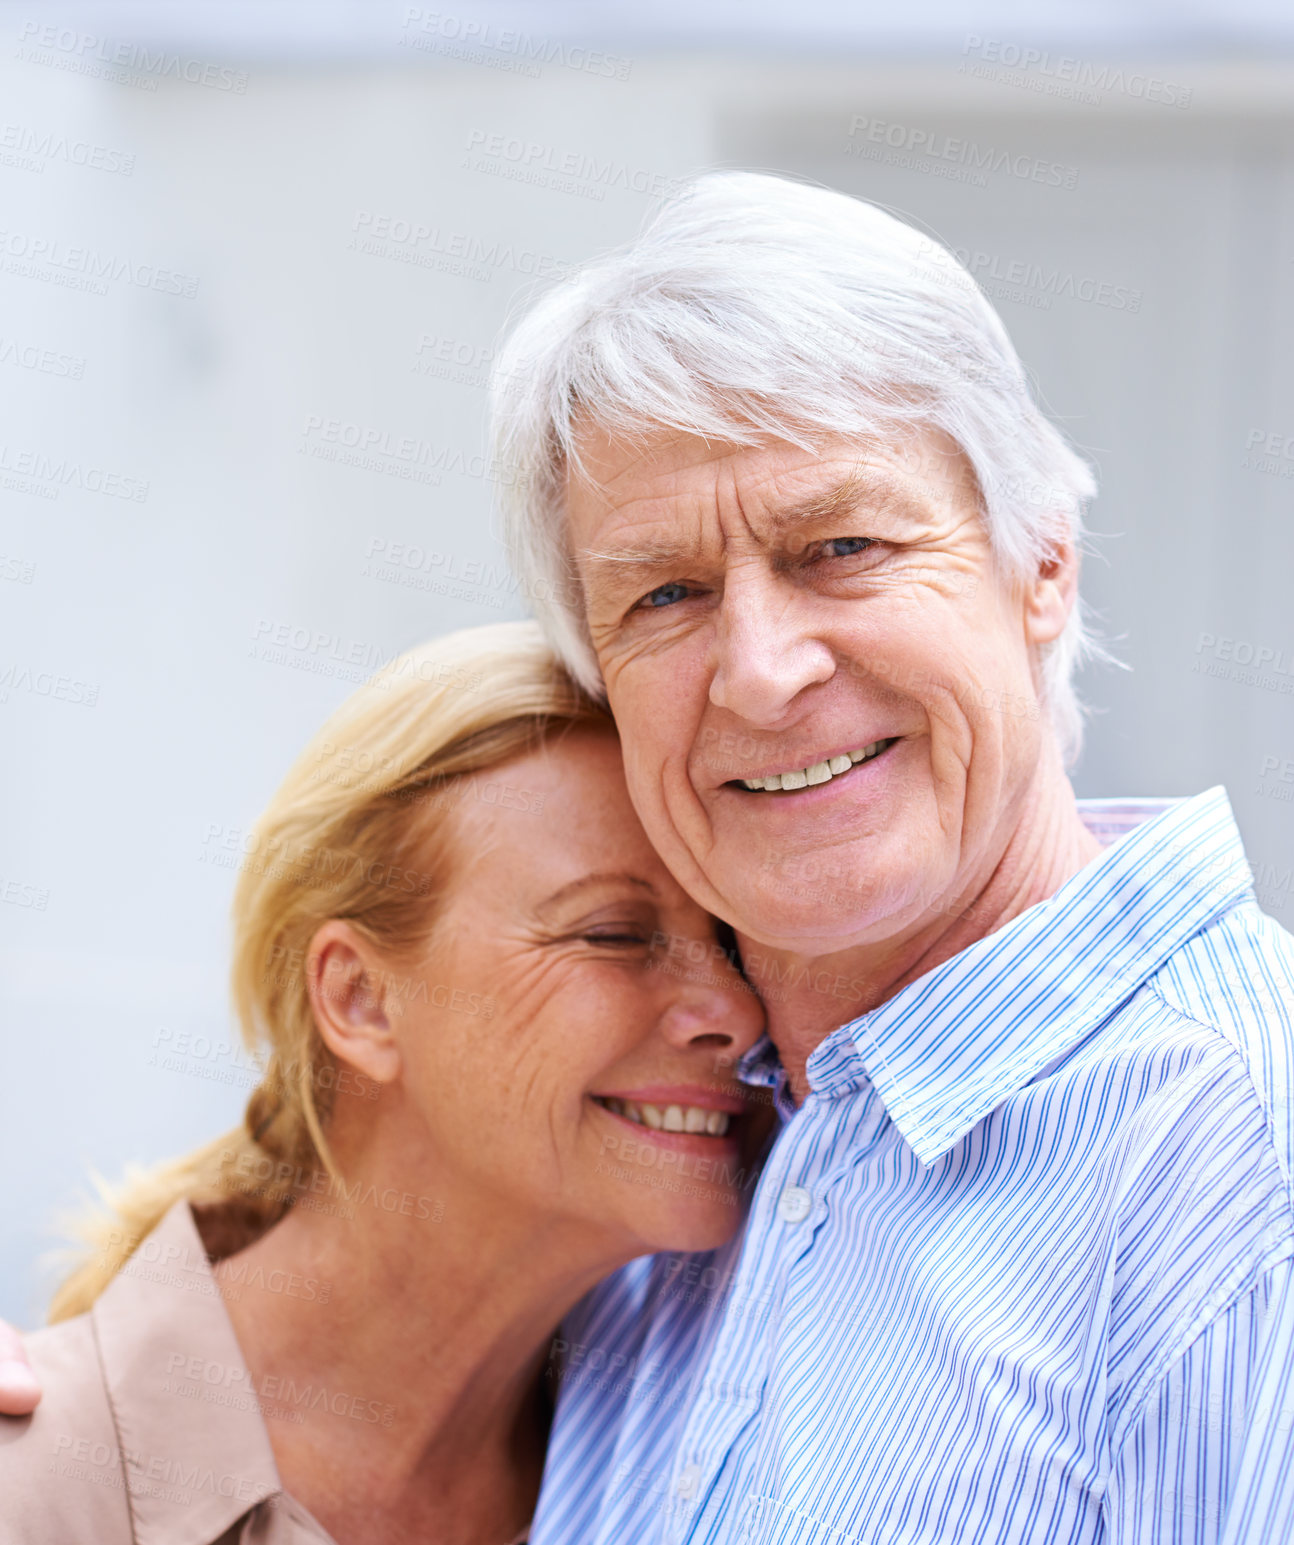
(1052,593)
(347,987)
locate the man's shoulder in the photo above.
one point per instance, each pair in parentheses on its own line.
(60,1468)
(1191,1079)
(1233,982)
(1222,1001)
(1237,971)
(1186,1087)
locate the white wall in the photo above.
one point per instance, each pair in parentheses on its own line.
(115,812)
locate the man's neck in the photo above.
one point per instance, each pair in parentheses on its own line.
(1047,846)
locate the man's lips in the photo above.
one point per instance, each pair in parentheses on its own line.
(824,770)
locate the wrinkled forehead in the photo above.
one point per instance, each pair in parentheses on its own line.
(655,492)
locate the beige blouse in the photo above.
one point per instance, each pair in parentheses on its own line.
(148,1432)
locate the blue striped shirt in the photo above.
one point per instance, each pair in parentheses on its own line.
(1017,1270)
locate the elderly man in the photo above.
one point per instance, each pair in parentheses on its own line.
(1018,1266)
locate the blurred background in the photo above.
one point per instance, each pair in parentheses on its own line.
(254,259)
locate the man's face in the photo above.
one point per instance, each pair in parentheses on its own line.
(764,611)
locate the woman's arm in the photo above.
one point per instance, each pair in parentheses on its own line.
(20,1391)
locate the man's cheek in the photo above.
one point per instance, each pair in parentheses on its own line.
(955,738)
(657,740)
(630,688)
(661,796)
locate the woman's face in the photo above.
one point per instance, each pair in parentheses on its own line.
(567,1039)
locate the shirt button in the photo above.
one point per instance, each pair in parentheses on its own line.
(689,1480)
(794,1205)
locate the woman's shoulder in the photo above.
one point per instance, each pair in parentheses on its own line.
(61,1474)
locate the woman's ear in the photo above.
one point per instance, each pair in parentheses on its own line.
(1053,592)
(347,987)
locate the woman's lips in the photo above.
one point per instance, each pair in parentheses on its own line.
(720,1095)
(699,1122)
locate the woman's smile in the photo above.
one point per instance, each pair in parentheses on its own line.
(686,1119)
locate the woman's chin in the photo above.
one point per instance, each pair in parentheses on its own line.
(706,1226)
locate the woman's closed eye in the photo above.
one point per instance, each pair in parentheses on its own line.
(611,937)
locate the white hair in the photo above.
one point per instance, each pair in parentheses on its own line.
(755,308)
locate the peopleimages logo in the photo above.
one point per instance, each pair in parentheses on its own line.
(481,42)
(1061,75)
(990,269)
(461,253)
(31,149)
(45,361)
(565,171)
(45,257)
(58,471)
(134,64)
(917,145)
(1269,451)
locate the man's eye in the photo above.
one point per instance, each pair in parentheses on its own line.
(845,546)
(616,939)
(665,595)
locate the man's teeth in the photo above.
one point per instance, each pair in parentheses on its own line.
(671,1118)
(820,772)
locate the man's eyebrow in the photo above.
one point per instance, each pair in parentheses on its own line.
(592,881)
(649,555)
(868,485)
(863,485)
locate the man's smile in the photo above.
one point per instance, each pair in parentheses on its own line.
(824,771)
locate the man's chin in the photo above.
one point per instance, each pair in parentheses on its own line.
(772,922)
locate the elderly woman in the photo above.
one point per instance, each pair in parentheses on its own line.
(500,1043)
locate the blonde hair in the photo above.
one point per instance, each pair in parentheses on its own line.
(357,830)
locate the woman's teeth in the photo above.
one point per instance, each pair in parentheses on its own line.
(670,1118)
(820,772)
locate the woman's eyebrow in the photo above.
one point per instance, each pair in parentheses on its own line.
(591,881)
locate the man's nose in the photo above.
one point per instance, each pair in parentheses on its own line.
(714,1008)
(765,652)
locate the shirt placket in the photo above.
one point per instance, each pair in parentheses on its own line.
(786,1212)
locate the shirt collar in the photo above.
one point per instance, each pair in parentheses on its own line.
(951,1046)
(192,1438)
